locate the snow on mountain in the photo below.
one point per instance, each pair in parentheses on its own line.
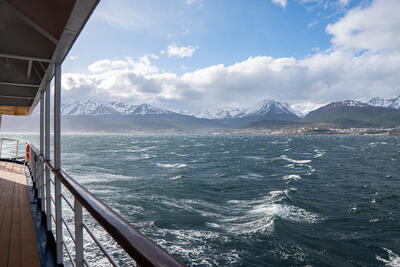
(121,108)
(146,109)
(261,109)
(214,114)
(347,103)
(392,102)
(90,107)
(267,107)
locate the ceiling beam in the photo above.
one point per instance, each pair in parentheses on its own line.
(28,21)
(28,74)
(19,84)
(43,68)
(18,91)
(25,58)
(16,102)
(15,72)
(18,97)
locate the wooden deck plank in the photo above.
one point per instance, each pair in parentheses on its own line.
(14,252)
(29,252)
(5,233)
(17,236)
(4,187)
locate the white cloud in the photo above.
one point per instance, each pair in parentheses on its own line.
(311,24)
(375,27)
(73,57)
(320,78)
(282,3)
(190,2)
(180,51)
(344,2)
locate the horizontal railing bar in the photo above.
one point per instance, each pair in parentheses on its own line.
(143,250)
(102,248)
(69,254)
(66,200)
(69,231)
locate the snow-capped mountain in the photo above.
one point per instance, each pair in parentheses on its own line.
(266,109)
(93,108)
(392,102)
(214,114)
(89,107)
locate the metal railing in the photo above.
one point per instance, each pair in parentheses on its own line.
(140,248)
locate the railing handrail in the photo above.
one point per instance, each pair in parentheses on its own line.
(142,249)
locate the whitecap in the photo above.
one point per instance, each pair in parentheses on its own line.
(393,261)
(167,165)
(293,177)
(284,157)
(255,158)
(213,225)
(251,175)
(176,177)
(259,215)
(148,156)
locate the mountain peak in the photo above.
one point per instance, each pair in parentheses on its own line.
(391,102)
(346,103)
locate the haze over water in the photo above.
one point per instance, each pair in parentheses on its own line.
(250,200)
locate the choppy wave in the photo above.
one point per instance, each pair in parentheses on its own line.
(284,157)
(291,177)
(393,259)
(172,165)
(259,215)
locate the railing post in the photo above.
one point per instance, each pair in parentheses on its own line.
(41,150)
(37,171)
(78,234)
(57,162)
(47,155)
(16,151)
(1,147)
(31,162)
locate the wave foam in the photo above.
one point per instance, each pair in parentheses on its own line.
(291,177)
(393,261)
(253,216)
(176,165)
(284,157)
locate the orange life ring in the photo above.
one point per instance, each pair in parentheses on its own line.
(27,152)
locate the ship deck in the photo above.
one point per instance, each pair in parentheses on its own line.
(17,236)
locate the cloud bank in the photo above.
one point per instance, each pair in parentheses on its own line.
(363,62)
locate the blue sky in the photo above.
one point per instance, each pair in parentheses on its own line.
(187,53)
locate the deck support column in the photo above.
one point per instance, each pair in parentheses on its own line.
(47,154)
(57,162)
(41,175)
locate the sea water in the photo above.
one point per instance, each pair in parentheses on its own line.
(247,200)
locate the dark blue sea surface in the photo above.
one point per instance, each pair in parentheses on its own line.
(250,200)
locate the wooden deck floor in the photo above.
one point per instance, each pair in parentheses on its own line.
(17,236)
